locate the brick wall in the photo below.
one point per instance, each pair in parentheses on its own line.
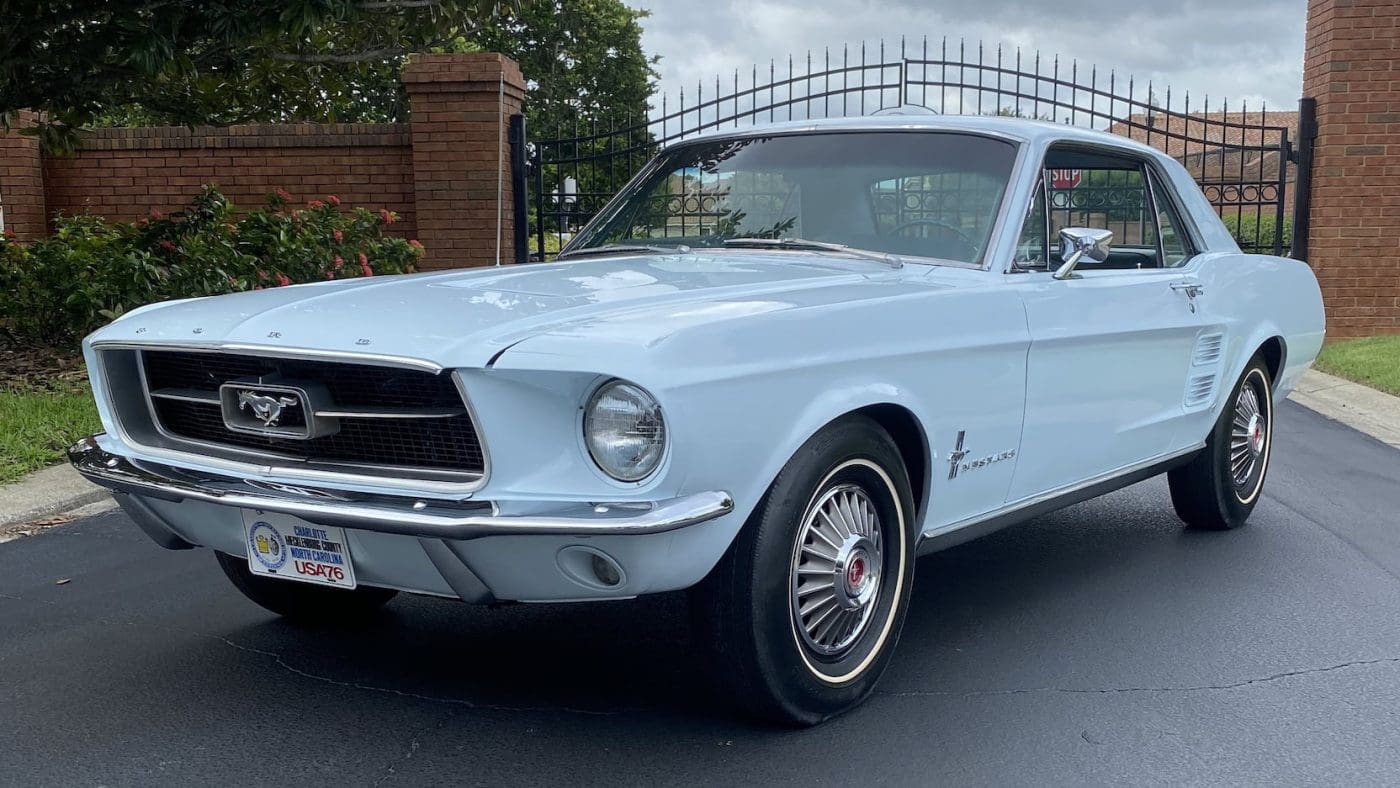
(22,182)
(442,172)
(1351,69)
(123,173)
(461,106)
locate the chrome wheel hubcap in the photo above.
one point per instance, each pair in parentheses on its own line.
(1248,435)
(836,570)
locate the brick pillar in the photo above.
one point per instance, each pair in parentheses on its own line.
(22,181)
(1352,69)
(460,107)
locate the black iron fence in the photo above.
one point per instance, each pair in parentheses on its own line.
(1244,159)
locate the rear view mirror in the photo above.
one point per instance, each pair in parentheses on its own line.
(1077,243)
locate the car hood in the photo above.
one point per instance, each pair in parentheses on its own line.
(465,318)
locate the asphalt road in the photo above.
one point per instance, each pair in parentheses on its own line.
(1102,644)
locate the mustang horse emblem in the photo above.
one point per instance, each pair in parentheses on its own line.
(265,409)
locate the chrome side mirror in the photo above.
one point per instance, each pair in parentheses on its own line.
(1076,243)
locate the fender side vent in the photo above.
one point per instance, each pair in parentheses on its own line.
(1208,349)
(1199,389)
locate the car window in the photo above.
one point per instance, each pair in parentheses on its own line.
(1110,198)
(1031,253)
(932,195)
(935,205)
(1176,245)
(692,201)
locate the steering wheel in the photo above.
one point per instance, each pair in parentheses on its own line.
(961,236)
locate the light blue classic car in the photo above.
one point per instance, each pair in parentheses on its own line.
(778,366)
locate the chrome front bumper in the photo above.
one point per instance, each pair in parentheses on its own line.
(425,517)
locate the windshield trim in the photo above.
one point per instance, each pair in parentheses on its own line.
(994,237)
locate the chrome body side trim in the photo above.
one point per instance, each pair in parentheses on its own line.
(449,483)
(1028,508)
(395,514)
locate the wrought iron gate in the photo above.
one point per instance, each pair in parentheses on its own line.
(1245,160)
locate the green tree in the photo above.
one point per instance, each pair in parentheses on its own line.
(218,61)
(156,62)
(583,59)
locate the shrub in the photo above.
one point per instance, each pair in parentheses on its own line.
(91,271)
(1254,232)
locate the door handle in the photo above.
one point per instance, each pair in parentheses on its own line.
(1190,290)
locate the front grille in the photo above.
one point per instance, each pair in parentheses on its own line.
(419,419)
(349,384)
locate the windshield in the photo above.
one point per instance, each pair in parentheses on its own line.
(915,194)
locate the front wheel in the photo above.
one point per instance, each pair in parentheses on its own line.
(1218,489)
(803,612)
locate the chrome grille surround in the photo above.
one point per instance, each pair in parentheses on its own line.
(173,424)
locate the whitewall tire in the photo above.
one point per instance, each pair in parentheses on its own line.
(802,614)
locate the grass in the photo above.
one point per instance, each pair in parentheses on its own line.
(36,425)
(1374,362)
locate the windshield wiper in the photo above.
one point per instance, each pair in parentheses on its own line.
(623,249)
(891,260)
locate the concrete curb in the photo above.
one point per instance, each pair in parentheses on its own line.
(1360,407)
(46,493)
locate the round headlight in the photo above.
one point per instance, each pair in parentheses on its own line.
(624,431)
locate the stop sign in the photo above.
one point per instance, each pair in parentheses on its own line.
(1065,179)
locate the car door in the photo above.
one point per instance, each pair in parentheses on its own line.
(1111,346)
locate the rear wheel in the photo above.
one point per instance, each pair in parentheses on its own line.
(1218,489)
(803,612)
(303,602)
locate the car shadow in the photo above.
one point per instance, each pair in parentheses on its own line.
(638,655)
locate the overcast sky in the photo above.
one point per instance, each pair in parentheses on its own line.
(1237,49)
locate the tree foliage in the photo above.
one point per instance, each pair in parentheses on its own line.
(221,62)
(218,61)
(583,60)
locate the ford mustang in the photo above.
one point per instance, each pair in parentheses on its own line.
(778,366)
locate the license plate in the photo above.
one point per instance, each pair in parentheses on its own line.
(285,547)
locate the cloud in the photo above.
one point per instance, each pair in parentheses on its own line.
(1243,50)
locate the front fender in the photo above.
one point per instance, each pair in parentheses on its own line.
(1290,310)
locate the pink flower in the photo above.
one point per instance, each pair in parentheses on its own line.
(10,234)
(315,204)
(338,236)
(416,244)
(284,194)
(262,275)
(386,215)
(366,270)
(339,262)
(330,274)
(167,245)
(156,214)
(364,259)
(333,200)
(282,280)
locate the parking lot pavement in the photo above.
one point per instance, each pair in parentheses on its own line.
(1101,644)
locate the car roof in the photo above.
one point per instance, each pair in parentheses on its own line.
(1021,130)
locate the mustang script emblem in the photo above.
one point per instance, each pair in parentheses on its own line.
(265,409)
(959,453)
(956,456)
